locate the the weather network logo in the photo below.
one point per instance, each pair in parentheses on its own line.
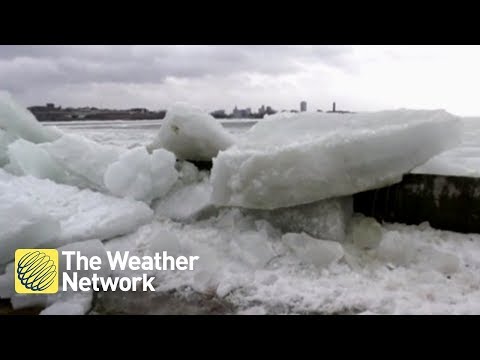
(36,271)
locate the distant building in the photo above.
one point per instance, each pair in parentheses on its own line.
(219,114)
(303,106)
(334,110)
(261,110)
(241,113)
(50,106)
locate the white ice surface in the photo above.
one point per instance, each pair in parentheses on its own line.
(246,263)
(83,214)
(17,120)
(463,160)
(141,176)
(191,134)
(312,156)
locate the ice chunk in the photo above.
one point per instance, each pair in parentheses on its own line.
(7,285)
(445,263)
(83,214)
(314,156)
(365,232)
(191,134)
(83,159)
(186,203)
(253,248)
(188,173)
(325,219)
(321,253)
(23,226)
(27,158)
(140,175)
(17,120)
(396,249)
(5,140)
(89,249)
(75,304)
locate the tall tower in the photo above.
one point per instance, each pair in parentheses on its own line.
(303,106)
(333,108)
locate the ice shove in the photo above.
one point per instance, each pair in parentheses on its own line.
(142,176)
(313,156)
(20,122)
(191,134)
(325,219)
(82,214)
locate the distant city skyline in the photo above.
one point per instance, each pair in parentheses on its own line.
(361,78)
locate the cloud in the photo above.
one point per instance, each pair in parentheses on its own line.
(356,77)
(31,65)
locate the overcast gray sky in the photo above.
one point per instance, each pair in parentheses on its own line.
(356,77)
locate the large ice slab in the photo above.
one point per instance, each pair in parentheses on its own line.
(191,134)
(83,214)
(17,120)
(142,176)
(314,156)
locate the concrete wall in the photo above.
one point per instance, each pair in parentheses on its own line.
(446,202)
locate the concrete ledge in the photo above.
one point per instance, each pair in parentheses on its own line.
(446,202)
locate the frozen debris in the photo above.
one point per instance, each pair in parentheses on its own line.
(24,226)
(325,219)
(365,232)
(142,176)
(191,134)
(18,121)
(82,214)
(314,156)
(186,203)
(309,250)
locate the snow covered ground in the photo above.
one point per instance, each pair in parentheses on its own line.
(250,262)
